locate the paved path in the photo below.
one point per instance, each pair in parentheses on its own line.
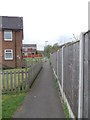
(42,101)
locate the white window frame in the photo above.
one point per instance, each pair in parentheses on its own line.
(5,51)
(25,48)
(6,39)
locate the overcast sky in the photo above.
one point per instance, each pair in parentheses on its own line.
(48,20)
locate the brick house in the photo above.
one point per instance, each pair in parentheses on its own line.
(29,49)
(11,36)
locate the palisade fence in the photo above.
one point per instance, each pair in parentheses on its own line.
(71,66)
(20,80)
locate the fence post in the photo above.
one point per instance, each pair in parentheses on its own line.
(57,63)
(81,64)
(62,68)
(86,103)
(7,82)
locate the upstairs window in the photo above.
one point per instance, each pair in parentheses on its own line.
(8,35)
(8,54)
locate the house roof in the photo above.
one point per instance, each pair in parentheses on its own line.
(9,22)
(29,45)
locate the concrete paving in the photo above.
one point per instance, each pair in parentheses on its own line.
(42,100)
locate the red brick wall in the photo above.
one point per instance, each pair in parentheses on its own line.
(15,45)
(19,48)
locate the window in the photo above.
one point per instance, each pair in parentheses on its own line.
(25,48)
(8,35)
(8,54)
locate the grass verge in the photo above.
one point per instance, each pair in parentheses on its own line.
(64,105)
(66,111)
(10,103)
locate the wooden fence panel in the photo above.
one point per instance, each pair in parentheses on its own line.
(20,80)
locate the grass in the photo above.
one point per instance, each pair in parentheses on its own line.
(10,103)
(31,59)
(65,108)
(66,111)
(57,87)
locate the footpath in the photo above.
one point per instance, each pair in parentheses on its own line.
(42,100)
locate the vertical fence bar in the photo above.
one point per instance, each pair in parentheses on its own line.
(62,68)
(80,99)
(57,64)
(18,81)
(86,76)
(89,72)
(23,81)
(14,81)
(7,82)
(26,79)
(11,83)
(3,87)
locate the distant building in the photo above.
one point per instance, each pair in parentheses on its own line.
(11,36)
(29,49)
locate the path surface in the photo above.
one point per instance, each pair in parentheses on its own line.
(42,100)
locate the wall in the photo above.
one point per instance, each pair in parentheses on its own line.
(15,45)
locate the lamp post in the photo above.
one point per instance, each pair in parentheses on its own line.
(45,46)
(45,49)
(46,43)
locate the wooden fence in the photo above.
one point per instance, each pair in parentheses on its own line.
(20,80)
(71,66)
(33,56)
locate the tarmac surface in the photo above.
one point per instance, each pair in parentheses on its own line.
(42,100)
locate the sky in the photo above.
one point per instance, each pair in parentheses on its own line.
(54,21)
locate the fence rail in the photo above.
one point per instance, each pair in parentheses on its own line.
(71,65)
(20,80)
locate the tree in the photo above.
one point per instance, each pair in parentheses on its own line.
(47,50)
(36,52)
(50,49)
(55,47)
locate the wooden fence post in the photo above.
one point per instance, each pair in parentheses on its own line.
(11,82)
(7,81)
(18,81)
